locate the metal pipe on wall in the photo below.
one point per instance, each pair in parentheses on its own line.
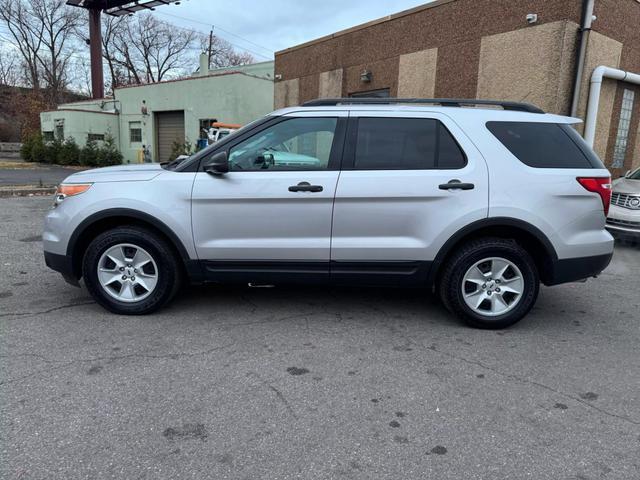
(585,28)
(597,77)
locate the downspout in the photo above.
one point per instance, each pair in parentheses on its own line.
(585,29)
(598,75)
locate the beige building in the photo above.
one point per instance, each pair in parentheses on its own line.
(523,50)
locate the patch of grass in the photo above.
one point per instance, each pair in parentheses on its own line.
(18,165)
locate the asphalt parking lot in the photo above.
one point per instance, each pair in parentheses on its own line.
(312,383)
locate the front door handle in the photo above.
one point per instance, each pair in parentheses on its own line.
(305,187)
(456,185)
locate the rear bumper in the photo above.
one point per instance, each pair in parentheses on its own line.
(62,264)
(574,269)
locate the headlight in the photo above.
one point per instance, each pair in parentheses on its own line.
(69,190)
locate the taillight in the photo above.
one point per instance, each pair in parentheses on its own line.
(601,186)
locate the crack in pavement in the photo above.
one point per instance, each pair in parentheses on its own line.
(537,384)
(58,364)
(33,314)
(278,393)
(173,356)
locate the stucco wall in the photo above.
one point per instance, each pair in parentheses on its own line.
(79,123)
(531,65)
(286,93)
(232,98)
(225,95)
(417,74)
(330,84)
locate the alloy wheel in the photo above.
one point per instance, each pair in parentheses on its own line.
(127,272)
(493,286)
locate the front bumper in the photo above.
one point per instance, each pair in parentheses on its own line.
(623,228)
(575,269)
(62,264)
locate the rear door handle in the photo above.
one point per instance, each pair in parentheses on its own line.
(305,187)
(456,185)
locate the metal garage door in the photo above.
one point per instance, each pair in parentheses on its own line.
(170,129)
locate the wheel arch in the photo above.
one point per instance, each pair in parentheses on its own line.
(102,221)
(528,236)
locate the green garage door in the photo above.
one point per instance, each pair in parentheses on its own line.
(169,129)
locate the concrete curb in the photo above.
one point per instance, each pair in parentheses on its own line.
(26,191)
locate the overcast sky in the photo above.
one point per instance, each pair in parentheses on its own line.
(268,26)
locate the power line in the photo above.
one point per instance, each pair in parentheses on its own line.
(226,40)
(216,27)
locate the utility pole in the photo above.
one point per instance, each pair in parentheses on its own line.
(210,46)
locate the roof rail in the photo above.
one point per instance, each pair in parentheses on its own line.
(445,102)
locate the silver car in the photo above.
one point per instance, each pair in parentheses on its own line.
(479,204)
(624,214)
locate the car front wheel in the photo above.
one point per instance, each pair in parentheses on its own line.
(131,270)
(490,283)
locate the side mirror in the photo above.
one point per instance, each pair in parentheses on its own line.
(218,164)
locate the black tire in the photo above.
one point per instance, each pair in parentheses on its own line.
(456,266)
(169,270)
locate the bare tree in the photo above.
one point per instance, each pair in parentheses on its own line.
(42,31)
(117,51)
(223,54)
(27,35)
(59,27)
(10,67)
(143,49)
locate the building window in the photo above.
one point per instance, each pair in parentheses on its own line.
(96,137)
(135,132)
(48,136)
(622,138)
(59,128)
(382,93)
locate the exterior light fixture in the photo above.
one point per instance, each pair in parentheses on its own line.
(366,76)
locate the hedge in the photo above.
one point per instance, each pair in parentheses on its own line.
(35,149)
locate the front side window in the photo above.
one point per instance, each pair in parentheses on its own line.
(293,144)
(545,145)
(406,144)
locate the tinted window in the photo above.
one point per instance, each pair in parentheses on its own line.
(294,144)
(405,144)
(545,145)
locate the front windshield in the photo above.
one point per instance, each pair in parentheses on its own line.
(635,175)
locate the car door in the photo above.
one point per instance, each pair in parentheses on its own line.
(270,215)
(410,180)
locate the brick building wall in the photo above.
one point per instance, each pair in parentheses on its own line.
(476,49)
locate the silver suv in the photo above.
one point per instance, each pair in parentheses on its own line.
(478,204)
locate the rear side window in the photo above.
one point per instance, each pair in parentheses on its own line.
(545,145)
(405,144)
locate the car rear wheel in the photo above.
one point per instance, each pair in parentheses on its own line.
(490,283)
(131,271)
